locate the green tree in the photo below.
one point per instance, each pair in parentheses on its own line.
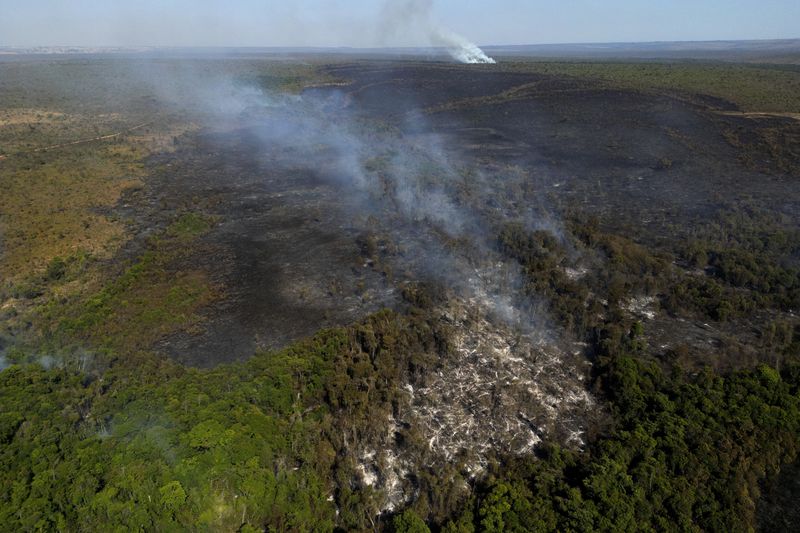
(409,522)
(172,495)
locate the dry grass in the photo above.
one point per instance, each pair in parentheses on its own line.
(53,208)
(57,204)
(68,154)
(24,130)
(54,203)
(129,310)
(20,117)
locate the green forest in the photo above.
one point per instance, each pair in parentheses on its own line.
(156,446)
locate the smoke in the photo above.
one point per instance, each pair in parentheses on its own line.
(404,15)
(410,176)
(459,47)
(411,182)
(79,361)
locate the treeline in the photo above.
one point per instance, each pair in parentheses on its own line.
(152,446)
(263,445)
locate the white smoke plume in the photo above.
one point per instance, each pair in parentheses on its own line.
(459,47)
(403,15)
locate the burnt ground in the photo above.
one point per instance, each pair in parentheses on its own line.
(650,158)
(285,248)
(778,510)
(649,166)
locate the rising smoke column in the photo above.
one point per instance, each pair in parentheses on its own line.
(459,47)
(400,15)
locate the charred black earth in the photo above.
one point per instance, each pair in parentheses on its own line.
(288,246)
(283,249)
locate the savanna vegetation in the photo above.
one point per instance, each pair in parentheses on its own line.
(752,87)
(99,433)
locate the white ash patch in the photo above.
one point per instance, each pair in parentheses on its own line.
(395,472)
(368,476)
(367,469)
(504,387)
(387,470)
(574,274)
(641,306)
(501,392)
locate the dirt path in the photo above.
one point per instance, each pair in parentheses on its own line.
(83,141)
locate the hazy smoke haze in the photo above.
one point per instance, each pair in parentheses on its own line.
(360,23)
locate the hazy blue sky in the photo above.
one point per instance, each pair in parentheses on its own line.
(356,22)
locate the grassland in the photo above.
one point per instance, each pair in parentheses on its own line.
(149,299)
(54,196)
(63,169)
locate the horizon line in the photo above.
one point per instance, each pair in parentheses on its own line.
(404,47)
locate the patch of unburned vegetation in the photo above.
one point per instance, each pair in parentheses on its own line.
(752,88)
(151,298)
(55,201)
(52,206)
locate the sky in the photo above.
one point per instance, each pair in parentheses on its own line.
(357,23)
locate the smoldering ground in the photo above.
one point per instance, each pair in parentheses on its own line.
(376,181)
(324,214)
(410,168)
(327,215)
